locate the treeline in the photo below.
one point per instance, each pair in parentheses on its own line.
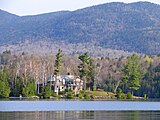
(139,75)
(21,74)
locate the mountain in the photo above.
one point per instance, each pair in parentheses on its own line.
(133,27)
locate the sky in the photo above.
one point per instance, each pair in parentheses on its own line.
(33,7)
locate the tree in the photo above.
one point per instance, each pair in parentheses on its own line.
(30,89)
(86,70)
(5,57)
(58,62)
(4,90)
(91,73)
(83,67)
(18,87)
(132,74)
(46,91)
(5,75)
(57,65)
(4,85)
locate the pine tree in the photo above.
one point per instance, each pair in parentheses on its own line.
(132,74)
(83,67)
(4,85)
(46,91)
(58,62)
(86,70)
(18,86)
(30,89)
(57,65)
(91,73)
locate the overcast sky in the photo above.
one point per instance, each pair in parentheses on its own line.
(32,7)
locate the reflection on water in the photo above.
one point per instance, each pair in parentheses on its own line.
(81,115)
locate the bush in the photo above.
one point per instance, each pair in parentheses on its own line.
(83,91)
(123,96)
(145,96)
(46,91)
(94,88)
(54,94)
(119,90)
(58,97)
(80,96)
(129,95)
(30,89)
(92,96)
(86,96)
(70,96)
(119,95)
(39,95)
(62,92)
(4,90)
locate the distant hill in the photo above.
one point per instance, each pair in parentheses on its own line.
(133,27)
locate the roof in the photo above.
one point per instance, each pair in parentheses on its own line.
(66,77)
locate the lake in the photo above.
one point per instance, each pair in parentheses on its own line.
(79,110)
(81,115)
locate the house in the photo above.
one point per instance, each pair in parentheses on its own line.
(61,83)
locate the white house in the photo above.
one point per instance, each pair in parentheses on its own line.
(62,82)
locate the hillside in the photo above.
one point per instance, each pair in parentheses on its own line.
(133,27)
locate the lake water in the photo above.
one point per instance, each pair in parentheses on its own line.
(81,115)
(79,110)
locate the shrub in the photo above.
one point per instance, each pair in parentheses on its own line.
(30,89)
(39,95)
(54,94)
(80,96)
(119,95)
(123,96)
(70,95)
(92,96)
(86,96)
(4,90)
(46,91)
(66,90)
(83,91)
(94,88)
(62,92)
(129,95)
(119,90)
(145,96)
(58,97)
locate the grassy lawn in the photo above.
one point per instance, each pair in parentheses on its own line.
(102,93)
(99,93)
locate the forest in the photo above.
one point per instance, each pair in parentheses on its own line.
(137,74)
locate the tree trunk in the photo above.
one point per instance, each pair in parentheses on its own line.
(85,86)
(132,93)
(117,86)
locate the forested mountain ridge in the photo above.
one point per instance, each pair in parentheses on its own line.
(133,27)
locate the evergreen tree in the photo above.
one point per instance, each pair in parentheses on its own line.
(86,70)
(132,74)
(46,91)
(5,74)
(91,73)
(18,87)
(4,85)
(83,67)
(57,65)
(30,89)
(4,90)
(58,62)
